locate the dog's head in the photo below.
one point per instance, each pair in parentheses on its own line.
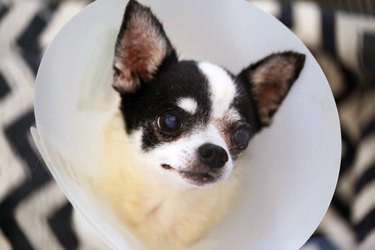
(191,120)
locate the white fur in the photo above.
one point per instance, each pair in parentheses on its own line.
(233,115)
(222,88)
(162,213)
(181,153)
(188,104)
(160,206)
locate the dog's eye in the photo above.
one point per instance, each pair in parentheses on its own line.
(241,137)
(169,122)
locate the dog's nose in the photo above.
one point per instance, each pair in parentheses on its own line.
(212,155)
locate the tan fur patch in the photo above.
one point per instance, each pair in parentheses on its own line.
(270,85)
(224,123)
(141,51)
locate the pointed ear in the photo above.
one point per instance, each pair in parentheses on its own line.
(270,80)
(141,48)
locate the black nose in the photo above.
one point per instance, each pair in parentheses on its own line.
(212,155)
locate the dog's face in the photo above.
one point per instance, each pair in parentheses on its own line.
(191,120)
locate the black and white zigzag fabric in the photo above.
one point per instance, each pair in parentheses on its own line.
(34,214)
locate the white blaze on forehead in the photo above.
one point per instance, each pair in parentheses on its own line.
(222,88)
(188,104)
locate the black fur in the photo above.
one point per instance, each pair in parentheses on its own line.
(246,106)
(174,80)
(178,80)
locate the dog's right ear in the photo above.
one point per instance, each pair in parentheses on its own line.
(142,47)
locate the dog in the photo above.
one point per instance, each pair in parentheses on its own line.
(169,168)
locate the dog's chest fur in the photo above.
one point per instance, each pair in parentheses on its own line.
(157,213)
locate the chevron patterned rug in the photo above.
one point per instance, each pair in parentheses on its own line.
(34,213)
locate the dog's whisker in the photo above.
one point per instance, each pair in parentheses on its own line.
(236,155)
(238,175)
(236,147)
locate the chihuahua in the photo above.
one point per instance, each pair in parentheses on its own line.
(169,160)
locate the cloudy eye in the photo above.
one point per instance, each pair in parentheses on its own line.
(241,137)
(169,122)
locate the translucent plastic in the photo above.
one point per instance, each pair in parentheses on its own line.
(292,166)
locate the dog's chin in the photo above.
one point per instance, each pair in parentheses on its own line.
(197,178)
(202,179)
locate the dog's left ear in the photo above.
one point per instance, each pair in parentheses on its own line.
(142,47)
(270,80)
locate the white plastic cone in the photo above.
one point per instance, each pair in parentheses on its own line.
(292,166)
